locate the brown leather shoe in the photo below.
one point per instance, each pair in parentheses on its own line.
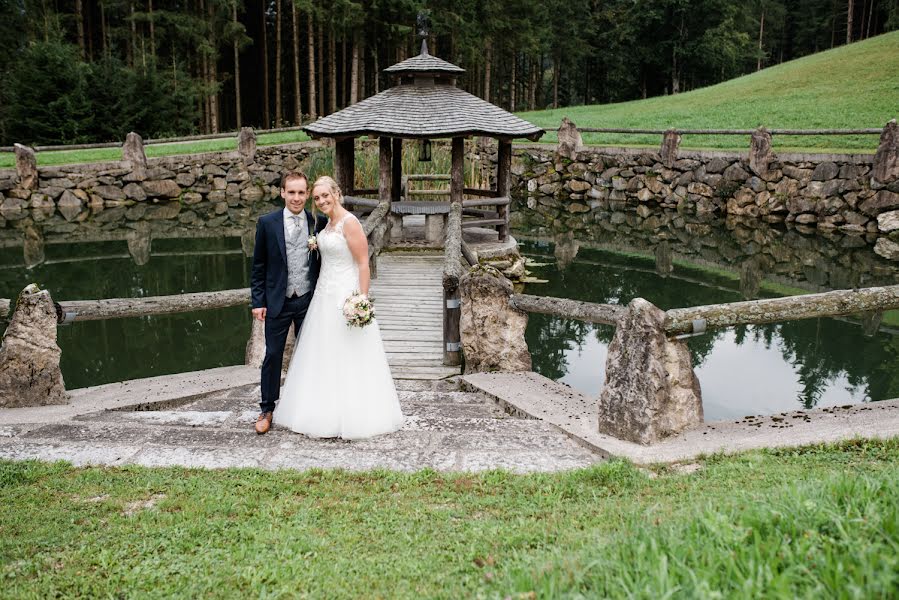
(264,422)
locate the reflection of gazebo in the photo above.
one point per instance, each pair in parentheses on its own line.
(424,104)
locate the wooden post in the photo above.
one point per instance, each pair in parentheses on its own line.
(344,161)
(385,185)
(503,171)
(457,171)
(396,174)
(385,169)
(452,303)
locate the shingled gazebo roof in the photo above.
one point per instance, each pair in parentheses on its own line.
(426,104)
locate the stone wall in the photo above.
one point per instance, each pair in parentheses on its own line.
(824,191)
(213,190)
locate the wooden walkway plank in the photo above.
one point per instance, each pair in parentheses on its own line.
(408,296)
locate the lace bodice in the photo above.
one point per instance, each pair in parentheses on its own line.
(339,271)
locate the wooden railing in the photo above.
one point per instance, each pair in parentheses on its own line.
(697,319)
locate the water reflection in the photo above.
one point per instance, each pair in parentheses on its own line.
(138,265)
(744,370)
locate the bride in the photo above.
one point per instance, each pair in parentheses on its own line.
(338,383)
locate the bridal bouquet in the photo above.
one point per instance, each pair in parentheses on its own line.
(358,310)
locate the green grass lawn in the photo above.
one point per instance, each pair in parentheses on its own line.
(66,157)
(819,521)
(853,86)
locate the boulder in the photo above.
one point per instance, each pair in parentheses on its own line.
(650,391)
(165,188)
(825,171)
(887,248)
(69,205)
(246,145)
(492,332)
(881,201)
(888,221)
(29,355)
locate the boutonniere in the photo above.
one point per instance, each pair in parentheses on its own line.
(312,243)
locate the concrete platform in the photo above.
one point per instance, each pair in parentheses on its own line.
(205,420)
(534,396)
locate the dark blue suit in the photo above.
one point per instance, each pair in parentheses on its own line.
(268,286)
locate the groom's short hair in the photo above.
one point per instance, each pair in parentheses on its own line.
(290,176)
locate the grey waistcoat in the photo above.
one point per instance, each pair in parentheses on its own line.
(297,261)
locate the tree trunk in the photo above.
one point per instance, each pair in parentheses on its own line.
(313,102)
(278,106)
(556,65)
(320,72)
(513,83)
(532,90)
(132,47)
(103,45)
(213,72)
(332,70)
(79,24)
(354,70)
(235,47)
(266,101)
(297,98)
(152,29)
(376,67)
(850,8)
(758,64)
(870,18)
(488,64)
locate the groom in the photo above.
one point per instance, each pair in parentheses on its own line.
(283,279)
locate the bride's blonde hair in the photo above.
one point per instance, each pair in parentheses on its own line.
(332,185)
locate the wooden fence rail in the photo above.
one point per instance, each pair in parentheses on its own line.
(147,142)
(754,312)
(864,131)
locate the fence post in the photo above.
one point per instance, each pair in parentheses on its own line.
(670,144)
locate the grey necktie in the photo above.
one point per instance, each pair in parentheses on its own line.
(296,227)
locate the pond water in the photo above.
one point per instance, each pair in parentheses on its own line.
(671,260)
(759,369)
(96,352)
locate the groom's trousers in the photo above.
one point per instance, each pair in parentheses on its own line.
(276,329)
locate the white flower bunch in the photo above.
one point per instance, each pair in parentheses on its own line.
(358,310)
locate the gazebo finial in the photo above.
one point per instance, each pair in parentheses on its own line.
(422,29)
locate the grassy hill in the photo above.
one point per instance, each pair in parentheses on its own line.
(854,86)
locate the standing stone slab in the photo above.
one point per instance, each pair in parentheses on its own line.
(886,160)
(133,152)
(670,144)
(570,141)
(492,332)
(651,391)
(29,356)
(760,152)
(26,167)
(246,145)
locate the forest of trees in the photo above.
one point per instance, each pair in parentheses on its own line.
(91,70)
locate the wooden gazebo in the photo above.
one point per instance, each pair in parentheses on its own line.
(424,104)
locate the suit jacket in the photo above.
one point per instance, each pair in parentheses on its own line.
(268,279)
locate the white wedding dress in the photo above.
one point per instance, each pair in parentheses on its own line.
(338,383)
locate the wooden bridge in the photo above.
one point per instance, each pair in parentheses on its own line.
(408,294)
